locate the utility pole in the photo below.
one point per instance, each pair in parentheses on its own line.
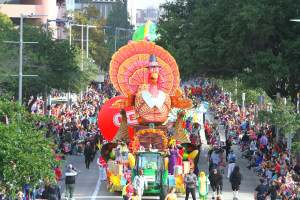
(21,42)
(87,38)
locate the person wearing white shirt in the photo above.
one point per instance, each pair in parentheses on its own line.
(152,147)
(252,147)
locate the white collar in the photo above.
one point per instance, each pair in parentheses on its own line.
(151,102)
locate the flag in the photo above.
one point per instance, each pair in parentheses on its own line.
(6,120)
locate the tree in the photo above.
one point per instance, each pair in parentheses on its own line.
(251,40)
(118,17)
(52,60)
(283,116)
(26,155)
(89,15)
(230,85)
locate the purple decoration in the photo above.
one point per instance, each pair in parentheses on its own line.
(130,41)
(147,38)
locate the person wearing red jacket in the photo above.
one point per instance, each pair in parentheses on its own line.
(185,90)
(197,92)
(207,128)
(102,168)
(193,90)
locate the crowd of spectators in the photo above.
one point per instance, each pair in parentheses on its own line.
(268,157)
(76,131)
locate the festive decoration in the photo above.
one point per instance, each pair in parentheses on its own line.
(136,65)
(109,119)
(179,133)
(148,135)
(131,160)
(193,154)
(123,131)
(112,155)
(179,180)
(166,163)
(185,156)
(203,184)
(145,32)
(115,180)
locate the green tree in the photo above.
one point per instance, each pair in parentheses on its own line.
(26,156)
(251,40)
(52,60)
(89,15)
(281,115)
(118,17)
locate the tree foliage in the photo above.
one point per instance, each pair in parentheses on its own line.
(281,115)
(56,64)
(251,40)
(25,147)
(89,15)
(229,85)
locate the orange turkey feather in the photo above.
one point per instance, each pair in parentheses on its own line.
(178,102)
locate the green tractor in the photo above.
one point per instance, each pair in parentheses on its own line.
(153,164)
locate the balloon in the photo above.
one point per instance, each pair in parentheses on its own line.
(185,156)
(109,119)
(148,29)
(112,156)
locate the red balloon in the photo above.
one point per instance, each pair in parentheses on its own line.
(109,119)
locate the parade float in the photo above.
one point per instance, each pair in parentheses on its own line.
(147,76)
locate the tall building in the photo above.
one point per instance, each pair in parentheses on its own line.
(54,9)
(105,7)
(151,13)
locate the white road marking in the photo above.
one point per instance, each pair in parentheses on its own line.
(202,149)
(96,189)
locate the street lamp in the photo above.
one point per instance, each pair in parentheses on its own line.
(46,95)
(87,38)
(21,53)
(122,29)
(87,45)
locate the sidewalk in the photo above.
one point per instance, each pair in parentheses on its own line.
(250,180)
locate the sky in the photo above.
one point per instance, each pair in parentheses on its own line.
(141,4)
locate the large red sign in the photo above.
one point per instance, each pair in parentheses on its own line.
(109,119)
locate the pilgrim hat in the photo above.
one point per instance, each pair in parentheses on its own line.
(153,61)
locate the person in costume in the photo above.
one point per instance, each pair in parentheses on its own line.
(203,186)
(102,168)
(134,145)
(118,150)
(180,156)
(207,128)
(172,153)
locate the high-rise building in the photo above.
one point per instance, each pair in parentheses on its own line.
(54,9)
(105,7)
(151,13)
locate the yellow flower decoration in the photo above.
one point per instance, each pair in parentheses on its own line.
(179,180)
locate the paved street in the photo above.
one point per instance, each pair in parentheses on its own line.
(88,187)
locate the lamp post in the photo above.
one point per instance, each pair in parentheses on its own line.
(87,38)
(122,29)
(46,95)
(21,53)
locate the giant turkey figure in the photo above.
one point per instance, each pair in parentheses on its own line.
(148,76)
